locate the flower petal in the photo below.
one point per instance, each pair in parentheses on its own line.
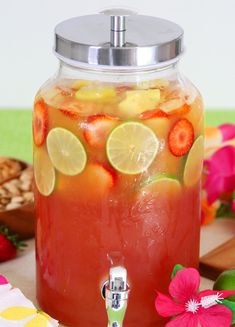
(217,315)
(185,285)
(3,280)
(166,307)
(214,186)
(185,320)
(229,182)
(228,131)
(223,294)
(223,160)
(233,205)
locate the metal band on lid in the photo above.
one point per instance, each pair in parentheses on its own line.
(118,39)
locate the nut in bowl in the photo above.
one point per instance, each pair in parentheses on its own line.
(16,197)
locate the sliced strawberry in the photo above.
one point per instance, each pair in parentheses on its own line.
(65,91)
(181,137)
(95,182)
(175,106)
(92,184)
(70,113)
(155,113)
(183,110)
(98,128)
(122,89)
(103,177)
(40,122)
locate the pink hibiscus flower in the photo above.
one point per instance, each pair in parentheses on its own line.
(233,205)
(228,131)
(220,173)
(193,308)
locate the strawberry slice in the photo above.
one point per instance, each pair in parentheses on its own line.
(122,89)
(40,122)
(104,177)
(181,138)
(97,129)
(155,113)
(183,110)
(93,183)
(69,113)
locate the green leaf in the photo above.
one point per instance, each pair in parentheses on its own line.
(233,195)
(231,306)
(225,210)
(177,268)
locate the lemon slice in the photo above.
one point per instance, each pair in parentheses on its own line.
(131,147)
(193,165)
(44,172)
(66,151)
(162,184)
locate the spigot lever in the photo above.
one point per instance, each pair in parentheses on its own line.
(116,296)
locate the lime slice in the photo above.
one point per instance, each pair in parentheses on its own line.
(44,172)
(193,165)
(131,147)
(66,151)
(162,184)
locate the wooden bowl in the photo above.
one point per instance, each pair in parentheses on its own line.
(20,221)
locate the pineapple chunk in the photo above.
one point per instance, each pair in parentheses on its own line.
(96,94)
(153,84)
(138,101)
(78,84)
(171,105)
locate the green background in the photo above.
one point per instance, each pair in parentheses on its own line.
(16,135)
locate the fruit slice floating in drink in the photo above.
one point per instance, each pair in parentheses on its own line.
(70,113)
(66,151)
(181,137)
(40,122)
(97,129)
(138,101)
(44,172)
(193,165)
(96,94)
(175,107)
(162,184)
(131,147)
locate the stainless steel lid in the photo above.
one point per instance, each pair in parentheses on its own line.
(118,38)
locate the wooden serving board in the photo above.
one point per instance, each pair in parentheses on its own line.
(221,258)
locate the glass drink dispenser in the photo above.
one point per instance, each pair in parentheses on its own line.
(118,151)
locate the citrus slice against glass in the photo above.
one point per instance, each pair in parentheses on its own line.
(66,151)
(162,184)
(44,172)
(131,147)
(193,165)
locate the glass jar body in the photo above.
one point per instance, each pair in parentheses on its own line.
(94,208)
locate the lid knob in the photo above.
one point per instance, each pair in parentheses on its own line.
(118,25)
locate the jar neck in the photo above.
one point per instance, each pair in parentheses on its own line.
(169,71)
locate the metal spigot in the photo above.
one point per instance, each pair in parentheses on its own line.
(116,296)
